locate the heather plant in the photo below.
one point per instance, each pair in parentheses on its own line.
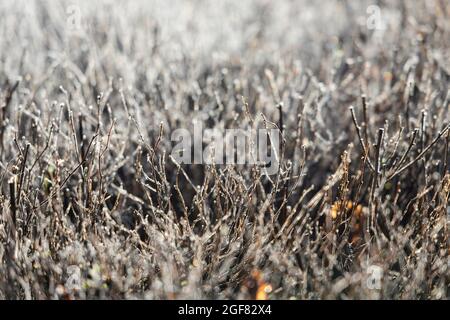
(96,203)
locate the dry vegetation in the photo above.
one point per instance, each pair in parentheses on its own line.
(87,179)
